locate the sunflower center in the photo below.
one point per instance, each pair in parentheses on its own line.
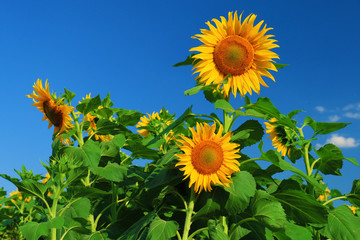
(233,55)
(207,157)
(53,113)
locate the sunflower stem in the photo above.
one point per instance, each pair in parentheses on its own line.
(189,212)
(306,154)
(333,199)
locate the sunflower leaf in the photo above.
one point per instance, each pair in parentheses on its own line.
(280,66)
(330,159)
(69,95)
(224,105)
(248,133)
(188,61)
(160,229)
(88,105)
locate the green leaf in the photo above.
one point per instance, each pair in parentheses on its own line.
(238,232)
(263,106)
(119,140)
(109,149)
(162,230)
(112,171)
(69,95)
(353,161)
(140,151)
(216,231)
(354,196)
(243,187)
(293,232)
(105,127)
(162,177)
(211,203)
(88,105)
(34,230)
(330,159)
(301,207)
(194,90)
(324,127)
(212,96)
(135,229)
(280,66)
(293,113)
(128,117)
(277,160)
(267,210)
(249,133)
(343,224)
(224,105)
(169,156)
(106,102)
(188,61)
(89,153)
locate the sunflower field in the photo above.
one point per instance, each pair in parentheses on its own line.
(198,183)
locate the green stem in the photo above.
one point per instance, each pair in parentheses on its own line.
(306,154)
(249,160)
(333,199)
(313,165)
(197,231)
(79,130)
(226,229)
(189,212)
(115,198)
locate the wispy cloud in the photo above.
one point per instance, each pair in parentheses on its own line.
(343,142)
(352,115)
(320,109)
(334,118)
(354,106)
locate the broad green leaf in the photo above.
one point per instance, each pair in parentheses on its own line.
(267,210)
(211,203)
(169,156)
(343,224)
(243,187)
(34,230)
(330,159)
(263,106)
(238,233)
(119,140)
(112,171)
(324,127)
(354,196)
(353,161)
(277,160)
(212,96)
(216,231)
(224,105)
(109,149)
(293,113)
(69,95)
(106,102)
(161,177)
(89,153)
(140,151)
(134,231)
(128,117)
(106,127)
(248,133)
(293,232)
(88,105)
(160,229)
(301,207)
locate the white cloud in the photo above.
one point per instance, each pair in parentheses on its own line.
(352,115)
(355,106)
(334,118)
(343,142)
(320,108)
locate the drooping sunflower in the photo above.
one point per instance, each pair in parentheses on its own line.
(278,136)
(55,111)
(237,49)
(209,158)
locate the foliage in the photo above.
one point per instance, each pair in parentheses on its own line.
(93,191)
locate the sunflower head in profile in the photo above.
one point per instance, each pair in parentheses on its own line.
(236,50)
(55,110)
(155,123)
(208,158)
(280,136)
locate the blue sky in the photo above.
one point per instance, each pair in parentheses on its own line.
(128,49)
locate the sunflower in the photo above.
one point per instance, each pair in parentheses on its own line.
(353,209)
(278,136)
(46,179)
(54,109)
(209,158)
(237,50)
(19,196)
(157,121)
